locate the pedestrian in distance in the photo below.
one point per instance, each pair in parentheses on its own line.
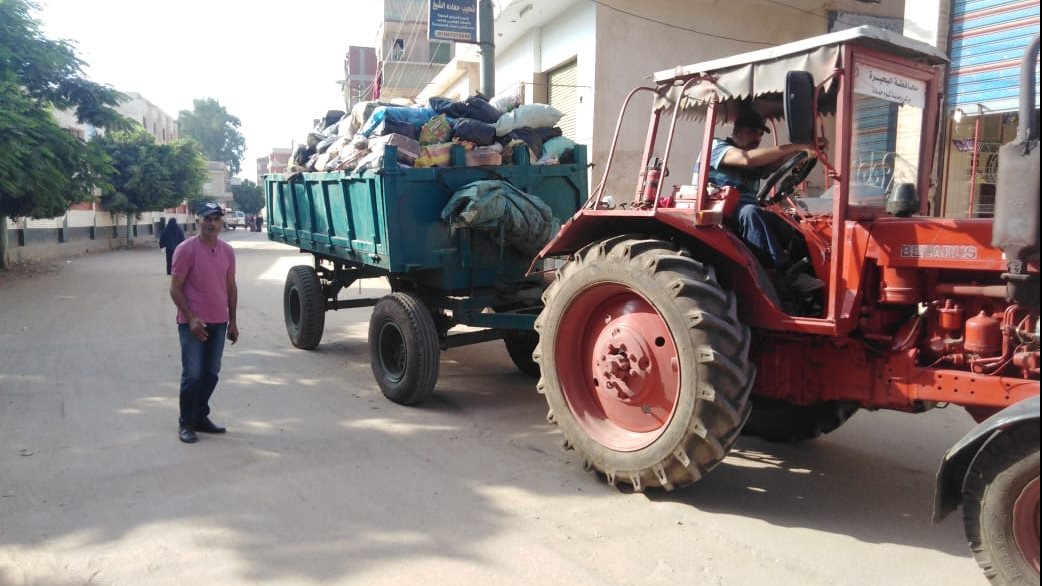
(202,286)
(260,222)
(171,236)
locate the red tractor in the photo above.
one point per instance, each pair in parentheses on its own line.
(664,336)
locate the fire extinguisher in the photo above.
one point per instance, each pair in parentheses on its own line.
(651,179)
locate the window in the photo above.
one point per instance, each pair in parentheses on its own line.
(441,53)
(398,50)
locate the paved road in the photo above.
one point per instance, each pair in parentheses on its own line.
(322,481)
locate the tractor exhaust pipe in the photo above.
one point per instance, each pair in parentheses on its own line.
(1016,223)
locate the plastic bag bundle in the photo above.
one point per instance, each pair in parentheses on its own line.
(514,217)
(414,115)
(478,108)
(437,130)
(476,131)
(527,116)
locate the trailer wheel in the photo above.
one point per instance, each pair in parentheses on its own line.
(403,348)
(645,365)
(776,420)
(1001,506)
(304,307)
(520,345)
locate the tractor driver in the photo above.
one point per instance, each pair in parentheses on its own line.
(740,161)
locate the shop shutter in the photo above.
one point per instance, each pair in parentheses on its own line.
(562,95)
(989,38)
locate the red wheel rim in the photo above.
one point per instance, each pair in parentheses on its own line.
(1025,523)
(617,366)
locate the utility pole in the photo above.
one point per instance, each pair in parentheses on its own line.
(488,48)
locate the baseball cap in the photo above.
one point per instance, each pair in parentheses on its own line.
(752,120)
(208,209)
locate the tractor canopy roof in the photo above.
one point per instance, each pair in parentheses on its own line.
(760,75)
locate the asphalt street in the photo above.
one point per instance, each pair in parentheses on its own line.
(321,480)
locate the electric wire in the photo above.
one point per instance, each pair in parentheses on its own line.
(671,25)
(409,48)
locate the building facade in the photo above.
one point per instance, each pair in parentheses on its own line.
(406,59)
(583,58)
(277,161)
(987,42)
(360,72)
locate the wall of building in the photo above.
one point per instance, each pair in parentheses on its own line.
(82,232)
(685,33)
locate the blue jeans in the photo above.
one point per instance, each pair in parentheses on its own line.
(757,233)
(200,365)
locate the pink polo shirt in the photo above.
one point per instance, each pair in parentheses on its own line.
(205,270)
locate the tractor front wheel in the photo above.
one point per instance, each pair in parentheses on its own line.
(1001,507)
(644,363)
(403,348)
(304,307)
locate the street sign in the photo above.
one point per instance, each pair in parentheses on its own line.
(453,20)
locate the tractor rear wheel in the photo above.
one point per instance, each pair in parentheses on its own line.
(403,348)
(520,345)
(304,307)
(645,366)
(1000,504)
(776,420)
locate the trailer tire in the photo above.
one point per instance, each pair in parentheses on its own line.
(1000,503)
(520,345)
(645,365)
(304,307)
(404,349)
(776,420)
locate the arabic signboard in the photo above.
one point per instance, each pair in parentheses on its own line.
(892,87)
(453,20)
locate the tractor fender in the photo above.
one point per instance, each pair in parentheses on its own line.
(957,460)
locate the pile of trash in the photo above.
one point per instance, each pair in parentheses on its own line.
(424,135)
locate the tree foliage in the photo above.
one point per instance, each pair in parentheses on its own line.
(44,168)
(216,131)
(149,176)
(248,196)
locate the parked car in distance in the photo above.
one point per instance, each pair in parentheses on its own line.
(235,219)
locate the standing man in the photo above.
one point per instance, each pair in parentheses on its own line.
(203,288)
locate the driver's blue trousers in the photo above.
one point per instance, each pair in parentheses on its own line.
(757,233)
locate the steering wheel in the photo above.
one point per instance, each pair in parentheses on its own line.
(792,172)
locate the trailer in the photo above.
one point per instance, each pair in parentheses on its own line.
(387,222)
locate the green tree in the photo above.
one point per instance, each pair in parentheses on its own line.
(44,168)
(248,196)
(150,176)
(216,131)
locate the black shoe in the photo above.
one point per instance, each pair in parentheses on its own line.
(804,283)
(207,426)
(187,435)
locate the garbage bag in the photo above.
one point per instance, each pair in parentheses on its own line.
(534,137)
(437,130)
(476,131)
(415,115)
(513,217)
(478,108)
(530,115)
